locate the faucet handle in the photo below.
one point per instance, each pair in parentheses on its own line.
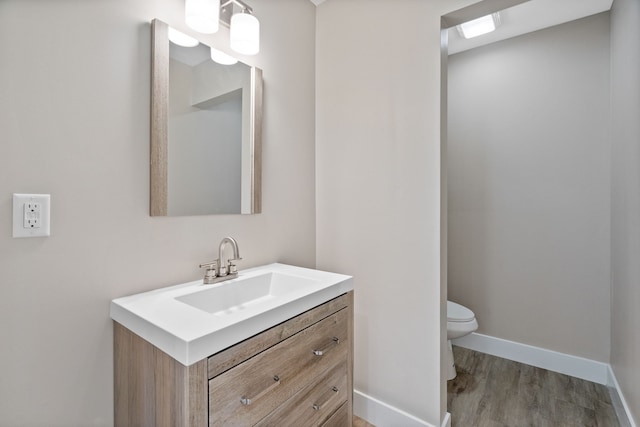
(209,265)
(232,265)
(211,272)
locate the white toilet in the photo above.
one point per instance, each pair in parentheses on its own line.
(460,322)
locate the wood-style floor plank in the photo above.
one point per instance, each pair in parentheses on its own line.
(359,422)
(494,392)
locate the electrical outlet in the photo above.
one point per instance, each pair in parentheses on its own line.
(31,215)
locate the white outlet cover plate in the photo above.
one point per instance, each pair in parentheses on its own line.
(19,201)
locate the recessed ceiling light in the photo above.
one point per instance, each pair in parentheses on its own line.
(480,26)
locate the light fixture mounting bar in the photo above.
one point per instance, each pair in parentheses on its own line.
(226,10)
(240,3)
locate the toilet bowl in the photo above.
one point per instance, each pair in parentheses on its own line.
(460,322)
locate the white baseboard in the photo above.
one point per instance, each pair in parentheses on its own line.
(590,370)
(447,420)
(625,411)
(579,367)
(381,414)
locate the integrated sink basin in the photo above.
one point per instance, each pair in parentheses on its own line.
(243,293)
(192,321)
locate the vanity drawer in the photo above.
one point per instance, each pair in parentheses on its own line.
(247,393)
(314,404)
(340,418)
(233,356)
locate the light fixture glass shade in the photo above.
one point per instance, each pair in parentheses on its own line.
(202,15)
(181,39)
(480,26)
(222,58)
(244,34)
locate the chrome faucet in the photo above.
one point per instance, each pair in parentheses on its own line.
(223,268)
(219,270)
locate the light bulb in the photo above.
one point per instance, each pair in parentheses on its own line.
(222,58)
(181,39)
(202,15)
(244,34)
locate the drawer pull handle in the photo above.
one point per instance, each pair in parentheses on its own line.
(325,398)
(249,400)
(322,351)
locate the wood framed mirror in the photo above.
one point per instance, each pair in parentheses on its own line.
(206,131)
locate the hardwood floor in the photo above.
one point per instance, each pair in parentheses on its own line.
(359,422)
(494,392)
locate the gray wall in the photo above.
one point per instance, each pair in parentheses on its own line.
(378,189)
(74,122)
(529,187)
(625,199)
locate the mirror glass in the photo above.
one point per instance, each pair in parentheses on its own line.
(206,128)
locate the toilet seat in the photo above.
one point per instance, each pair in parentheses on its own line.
(458,313)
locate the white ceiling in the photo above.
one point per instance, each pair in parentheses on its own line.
(524,18)
(530,16)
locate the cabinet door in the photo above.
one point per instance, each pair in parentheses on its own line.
(247,393)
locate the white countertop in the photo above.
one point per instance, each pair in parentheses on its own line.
(189,334)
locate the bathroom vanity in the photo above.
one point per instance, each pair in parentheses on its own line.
(289,361)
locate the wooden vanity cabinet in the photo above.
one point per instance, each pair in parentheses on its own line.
(297,373)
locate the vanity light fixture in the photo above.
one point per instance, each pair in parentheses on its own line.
(222,58)
(244,28)
(479,26)
(181,39)
(202,15)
